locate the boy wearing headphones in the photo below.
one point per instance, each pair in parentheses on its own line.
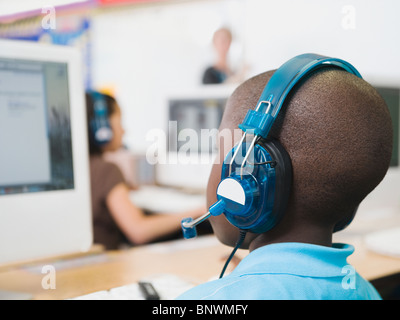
(337,131)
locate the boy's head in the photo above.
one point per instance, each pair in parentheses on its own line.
(337,131)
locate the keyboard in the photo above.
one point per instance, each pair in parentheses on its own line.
(167,286)
(166,200)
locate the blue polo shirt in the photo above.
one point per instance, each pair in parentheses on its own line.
(290,271)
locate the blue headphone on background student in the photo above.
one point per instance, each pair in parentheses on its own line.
(256,176)
(99,124)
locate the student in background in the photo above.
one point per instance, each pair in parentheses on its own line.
(337,131)
(116,220)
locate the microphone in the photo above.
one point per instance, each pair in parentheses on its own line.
(189,225)
(233,194)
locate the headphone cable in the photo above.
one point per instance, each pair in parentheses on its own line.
(238,244)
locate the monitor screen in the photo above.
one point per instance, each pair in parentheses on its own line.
(192,120)
(35,127)
(193,124)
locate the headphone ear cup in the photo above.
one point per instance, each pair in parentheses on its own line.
(283,179)
(99,124)
(271,185)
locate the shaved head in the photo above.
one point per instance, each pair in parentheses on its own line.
(337,131)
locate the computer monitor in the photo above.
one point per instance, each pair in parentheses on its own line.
(44,173)
(192,126)
(195,115)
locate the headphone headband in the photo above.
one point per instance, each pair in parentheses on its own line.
(259,122)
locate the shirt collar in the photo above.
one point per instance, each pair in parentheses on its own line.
(295,258)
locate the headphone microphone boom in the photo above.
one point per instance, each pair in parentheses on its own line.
(256,176)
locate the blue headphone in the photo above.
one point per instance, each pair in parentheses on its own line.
(99,124)
(256,176)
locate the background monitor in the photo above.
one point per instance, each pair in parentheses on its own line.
(194,115)
(44,173)
(190,152)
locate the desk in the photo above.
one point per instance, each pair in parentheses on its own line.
(197,260)
(101,271)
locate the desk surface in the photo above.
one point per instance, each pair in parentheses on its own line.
(196,260)
(102,271)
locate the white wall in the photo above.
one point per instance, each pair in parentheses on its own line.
(146,52)
(149,52)
(364,32)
